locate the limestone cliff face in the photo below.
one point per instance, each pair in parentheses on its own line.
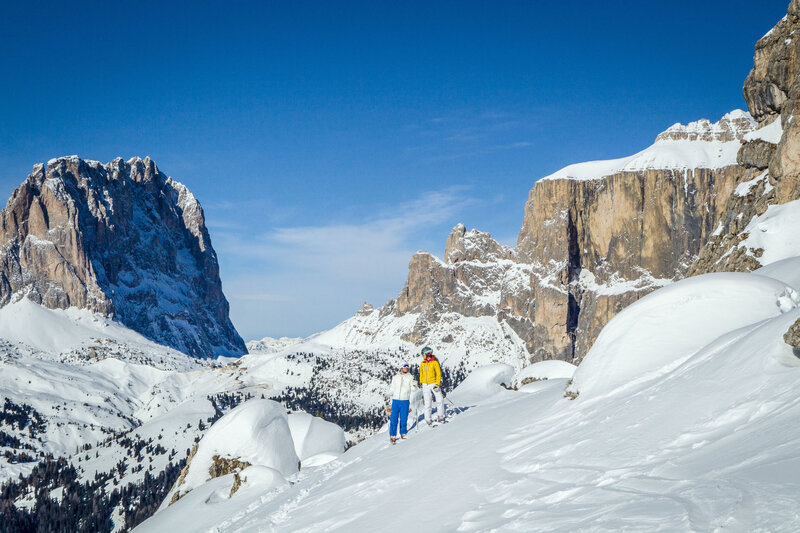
(598,245)
(120,239)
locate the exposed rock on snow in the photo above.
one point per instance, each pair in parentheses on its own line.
(792,336)
(255,433)
(120,239)
(772,94)
(544,370)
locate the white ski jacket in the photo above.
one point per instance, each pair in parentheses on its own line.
(402,386)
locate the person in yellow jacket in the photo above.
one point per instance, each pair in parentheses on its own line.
(430,379)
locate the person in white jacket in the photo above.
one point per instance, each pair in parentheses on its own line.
(403,384)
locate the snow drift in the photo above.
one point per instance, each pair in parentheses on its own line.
(663,329)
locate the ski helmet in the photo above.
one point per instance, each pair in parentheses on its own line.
(426,351)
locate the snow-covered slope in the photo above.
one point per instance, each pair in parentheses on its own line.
(709,443)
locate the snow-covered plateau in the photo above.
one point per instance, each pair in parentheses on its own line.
(683,417)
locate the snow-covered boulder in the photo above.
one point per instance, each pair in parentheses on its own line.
(483,382)
(313,436)
(543,370)
(254,433)
(665,328)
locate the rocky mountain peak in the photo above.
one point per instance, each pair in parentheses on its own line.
(731,127)
(121,239)
(473,246)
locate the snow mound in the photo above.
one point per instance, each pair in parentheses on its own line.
(56,330)
(662,330)
(544,370)
(313,436)
(786,270)
(483,382)
(256,432)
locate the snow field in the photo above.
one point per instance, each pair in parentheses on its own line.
(708,442)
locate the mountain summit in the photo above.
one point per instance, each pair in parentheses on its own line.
(121,239)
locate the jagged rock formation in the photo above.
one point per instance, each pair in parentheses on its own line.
(771,160)
(597,236)
(120,239)
(478,278)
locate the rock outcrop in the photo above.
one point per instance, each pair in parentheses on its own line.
(120,239)
(792,336)
(479,278)
(771,160)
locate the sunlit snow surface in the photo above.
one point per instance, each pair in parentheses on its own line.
(706,440)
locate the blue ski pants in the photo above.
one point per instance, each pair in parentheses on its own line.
(399,412)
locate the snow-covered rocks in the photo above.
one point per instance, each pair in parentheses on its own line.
(255,433)
(483,382)
(272,345)
(662,330)
(544,370)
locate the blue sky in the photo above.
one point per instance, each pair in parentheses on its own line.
(329,141)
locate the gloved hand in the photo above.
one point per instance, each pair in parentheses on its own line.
(436,388)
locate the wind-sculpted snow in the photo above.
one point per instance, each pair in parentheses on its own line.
(711,444)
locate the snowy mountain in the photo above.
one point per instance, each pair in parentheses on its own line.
(271,345)
(681,414)
(685,422)
(120,239)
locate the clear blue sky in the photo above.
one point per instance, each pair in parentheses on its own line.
(328,141)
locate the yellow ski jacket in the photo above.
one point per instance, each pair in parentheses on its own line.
(430,372)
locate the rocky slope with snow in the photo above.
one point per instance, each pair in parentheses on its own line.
(750,232)
(121,239)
